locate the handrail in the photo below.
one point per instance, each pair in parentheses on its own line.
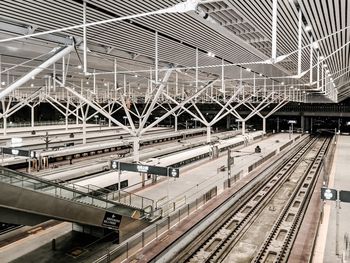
(76,193)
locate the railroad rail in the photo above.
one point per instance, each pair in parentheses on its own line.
(276,195)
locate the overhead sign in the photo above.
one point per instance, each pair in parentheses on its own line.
(149,169)
(292,122)
(17,152)
(344,196)
(329,194)
(111,220)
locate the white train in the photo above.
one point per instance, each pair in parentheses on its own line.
(132,180)
(92,167)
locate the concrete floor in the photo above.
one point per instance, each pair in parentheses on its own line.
(339,179)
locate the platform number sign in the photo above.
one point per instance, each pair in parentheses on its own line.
(173,172)
(114,165)
(148,169)
(329,194)
(111,220)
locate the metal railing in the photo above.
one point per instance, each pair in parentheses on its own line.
(71,192)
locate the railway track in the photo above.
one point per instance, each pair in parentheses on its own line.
(261,227)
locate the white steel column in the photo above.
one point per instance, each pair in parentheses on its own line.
(274,30)
(264,125)
(243,127)
(156,58)
(136,148)
(32,115)
(223,88)
(299,41)
(84,37)
(208,134)
(311,57)
(175,125)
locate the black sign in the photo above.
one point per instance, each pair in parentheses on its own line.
(111,220)
(329,194)
(149,169)
(17,152)
(344,196)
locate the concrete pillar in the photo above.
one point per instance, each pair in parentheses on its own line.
(228,122)
(136,148)
(5,124)
(243,127)
(310,124)
(208,134)
(302,123)
(264,125)
(77,117)
(32,115)
(175,125)
(84,130)
(278,125)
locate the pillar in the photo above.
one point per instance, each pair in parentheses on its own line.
(175,125)
(208,134)
(228,122)
(243,127)
(278,125)
(84,130)
(302,123)
(264,125)
(136,148)
(77,116)
(5,124)
(32,115)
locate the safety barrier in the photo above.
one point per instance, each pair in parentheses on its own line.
(230,181)
(256,164)
(155,231)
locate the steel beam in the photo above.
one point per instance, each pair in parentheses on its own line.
(58,55)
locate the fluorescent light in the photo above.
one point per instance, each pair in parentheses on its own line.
(324,65)
(79,67)
(308,28)
(32,85)
(211,54)
(248,69)
(105,84)
(321,57)
(3,83)
(135,76)
(260,75)
(33,77)
(315,45)
(327,71)
(87,82)
(282,83)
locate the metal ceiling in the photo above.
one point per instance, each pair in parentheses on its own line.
(240,32)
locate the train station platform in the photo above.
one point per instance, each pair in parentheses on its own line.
(333,237)
(197,179)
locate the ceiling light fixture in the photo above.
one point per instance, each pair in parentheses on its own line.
(315,45)
(3,83)
(248,69)
(308,28)
(211,54)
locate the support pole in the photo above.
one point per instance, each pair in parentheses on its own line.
(208,134)
(32,115)
(274,30)
(136,148)
(175,122)
(264,125)
(243,127)
(299,41)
